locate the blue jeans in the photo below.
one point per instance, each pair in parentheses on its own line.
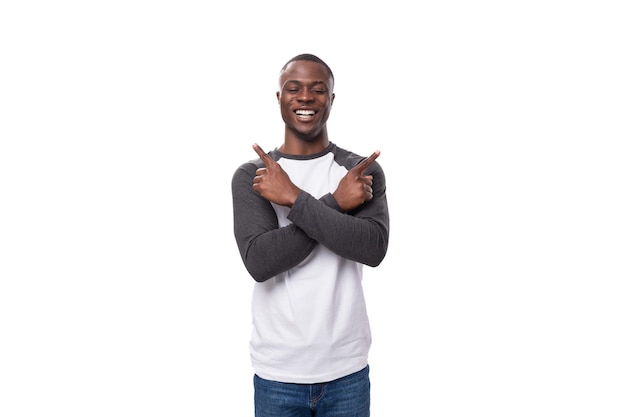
(344,397)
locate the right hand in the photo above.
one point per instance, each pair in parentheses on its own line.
(272,182)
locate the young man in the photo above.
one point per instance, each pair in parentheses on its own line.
(307,217)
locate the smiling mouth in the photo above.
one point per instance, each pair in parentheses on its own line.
(305,114)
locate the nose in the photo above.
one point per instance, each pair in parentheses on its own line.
(305,95)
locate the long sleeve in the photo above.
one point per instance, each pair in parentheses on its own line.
(361,235)
(265,248)
(269,247)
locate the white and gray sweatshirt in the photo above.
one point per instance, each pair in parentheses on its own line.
(310,322)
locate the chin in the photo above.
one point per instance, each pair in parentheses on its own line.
(308,135)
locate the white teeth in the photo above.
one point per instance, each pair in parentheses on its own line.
(305,112)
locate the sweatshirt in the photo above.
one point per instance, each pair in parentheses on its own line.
(309,316)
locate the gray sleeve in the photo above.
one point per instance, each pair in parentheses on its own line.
(265,248)
(361,235)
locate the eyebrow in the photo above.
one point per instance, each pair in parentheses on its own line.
(300,82)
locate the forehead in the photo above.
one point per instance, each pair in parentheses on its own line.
(305,72)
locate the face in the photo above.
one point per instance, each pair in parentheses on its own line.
(305,96)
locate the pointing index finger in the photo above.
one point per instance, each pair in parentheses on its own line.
(364,164)
(264,156)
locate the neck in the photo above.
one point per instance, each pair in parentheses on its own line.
(295,145)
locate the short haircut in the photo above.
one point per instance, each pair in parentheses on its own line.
(309,57)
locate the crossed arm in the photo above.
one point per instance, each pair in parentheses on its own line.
(353,221)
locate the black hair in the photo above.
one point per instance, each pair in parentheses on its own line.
(309,57)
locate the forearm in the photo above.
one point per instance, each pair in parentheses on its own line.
(267,254)
(361,235)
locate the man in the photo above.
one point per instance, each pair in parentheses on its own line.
(307,217)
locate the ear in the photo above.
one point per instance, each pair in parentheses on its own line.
(278,96)
(332,98)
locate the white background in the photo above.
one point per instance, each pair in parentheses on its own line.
(501,127)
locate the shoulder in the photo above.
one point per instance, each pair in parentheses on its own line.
(349,160)
(248,169)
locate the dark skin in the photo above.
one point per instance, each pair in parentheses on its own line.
(305,98)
